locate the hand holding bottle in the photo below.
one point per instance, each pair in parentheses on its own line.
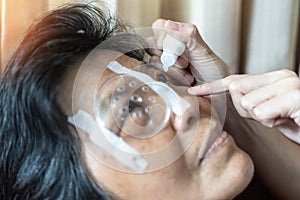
(197,61)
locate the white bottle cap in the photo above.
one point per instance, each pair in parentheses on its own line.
(168,60)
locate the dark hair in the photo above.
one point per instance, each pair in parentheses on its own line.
(40,156)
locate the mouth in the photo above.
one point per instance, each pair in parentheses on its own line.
(216,136)
(218,143)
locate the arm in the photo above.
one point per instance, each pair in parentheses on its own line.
(276,158)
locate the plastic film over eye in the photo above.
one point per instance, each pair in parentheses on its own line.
(126,105)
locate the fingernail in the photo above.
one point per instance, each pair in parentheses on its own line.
(189,78)
(173,25)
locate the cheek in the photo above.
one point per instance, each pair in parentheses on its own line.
(162,151)
(199,140)
(155,143)
(139,186)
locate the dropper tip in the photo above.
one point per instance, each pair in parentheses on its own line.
(165,68)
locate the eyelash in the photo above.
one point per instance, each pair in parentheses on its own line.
(132,105)
(162,78)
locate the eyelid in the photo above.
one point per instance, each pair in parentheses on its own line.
(155,72)
(172,76)
(161,77)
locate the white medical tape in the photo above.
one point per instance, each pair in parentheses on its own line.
(108,141)
(177,104)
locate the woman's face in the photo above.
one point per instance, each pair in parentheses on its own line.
(212,167)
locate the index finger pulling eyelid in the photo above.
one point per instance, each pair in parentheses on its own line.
(221,85)
(214,87)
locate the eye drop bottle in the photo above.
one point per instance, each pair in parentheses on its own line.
(172,48)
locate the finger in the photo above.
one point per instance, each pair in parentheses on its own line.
(199,54)
(258,96)
(290,130)
(280,121)
(236,99)
(278,107)
(216,87)
(296,117)
(181,62)
(205,63)
(253,82)
(159,32)
(184,32)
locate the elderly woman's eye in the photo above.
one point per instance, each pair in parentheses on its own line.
(162,78)
(136,98)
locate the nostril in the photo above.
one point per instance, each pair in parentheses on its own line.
(190,120)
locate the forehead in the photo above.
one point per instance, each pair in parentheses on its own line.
(97,61)
(95,65)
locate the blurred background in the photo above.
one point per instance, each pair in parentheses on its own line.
(251,36)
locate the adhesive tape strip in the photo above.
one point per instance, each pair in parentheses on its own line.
(177,104)
(109,142)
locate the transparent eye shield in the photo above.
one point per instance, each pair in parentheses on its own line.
(133,104)
(128,106)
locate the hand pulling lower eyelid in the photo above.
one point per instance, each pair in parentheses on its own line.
(177,104)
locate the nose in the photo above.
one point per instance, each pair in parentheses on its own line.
(189,117)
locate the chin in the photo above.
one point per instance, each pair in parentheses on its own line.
(234,175)
(246,171)
(243,173)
